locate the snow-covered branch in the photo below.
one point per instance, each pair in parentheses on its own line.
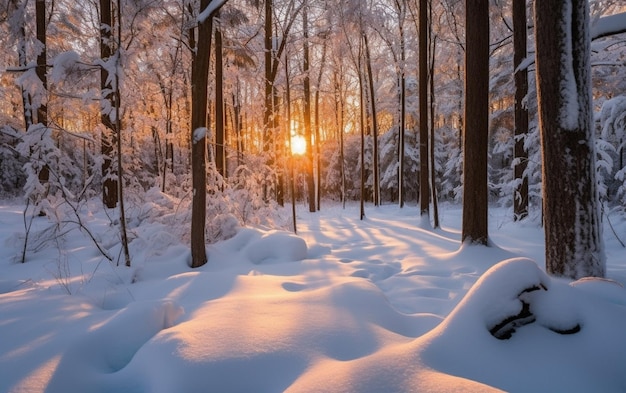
(213,6)
(609,25)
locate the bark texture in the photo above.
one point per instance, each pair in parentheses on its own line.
(475,141)
(572,221)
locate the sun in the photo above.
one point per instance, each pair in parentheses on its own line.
(298,145)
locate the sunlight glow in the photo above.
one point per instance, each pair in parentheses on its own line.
(298,145)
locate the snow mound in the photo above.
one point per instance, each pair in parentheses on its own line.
(276,246)
(559,324)
(609,290)
(352,306)
(261,338)
(109,346)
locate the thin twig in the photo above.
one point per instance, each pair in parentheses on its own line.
(612,229)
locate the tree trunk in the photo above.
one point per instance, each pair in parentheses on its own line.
(118,137)
(318,153)
(402,124)
(318,143)
(268,132)
(574,247)
(40,11)
(433,172)
(199,96)
(292,175)
(520,198)
(42,110)
(423,106)
(307,113)
(376,163)
(474,227)
(237,123)
(108,137)
(220,151)
(22,60)
(362,126)
(339,124)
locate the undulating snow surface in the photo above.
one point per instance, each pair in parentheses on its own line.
(380,305)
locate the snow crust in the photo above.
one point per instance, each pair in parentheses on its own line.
(380,305)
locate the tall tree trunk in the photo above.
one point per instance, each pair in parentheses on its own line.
(269,83)
(318,158)
(199,80)
(574,246)
(362,126)
(40,11)
(20,33)
(423,106)
(118,140)
(339,124)
(158,151)
(433,172)
(402,124)
(370,77)
(237,123)
(107,105)
(269,111)
(520,199)
(318,143)
(220,151)
(474,227)
(460,76)
(168,95)
(307,112)
(42,110)
(292,175)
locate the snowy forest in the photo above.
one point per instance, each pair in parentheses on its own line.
(86,84)
(449,173)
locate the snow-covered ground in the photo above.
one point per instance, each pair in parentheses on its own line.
(380,305)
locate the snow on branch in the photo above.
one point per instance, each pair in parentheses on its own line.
(609,25)
(208,12)
(199,134)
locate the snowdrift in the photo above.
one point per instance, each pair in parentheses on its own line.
(371,306)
